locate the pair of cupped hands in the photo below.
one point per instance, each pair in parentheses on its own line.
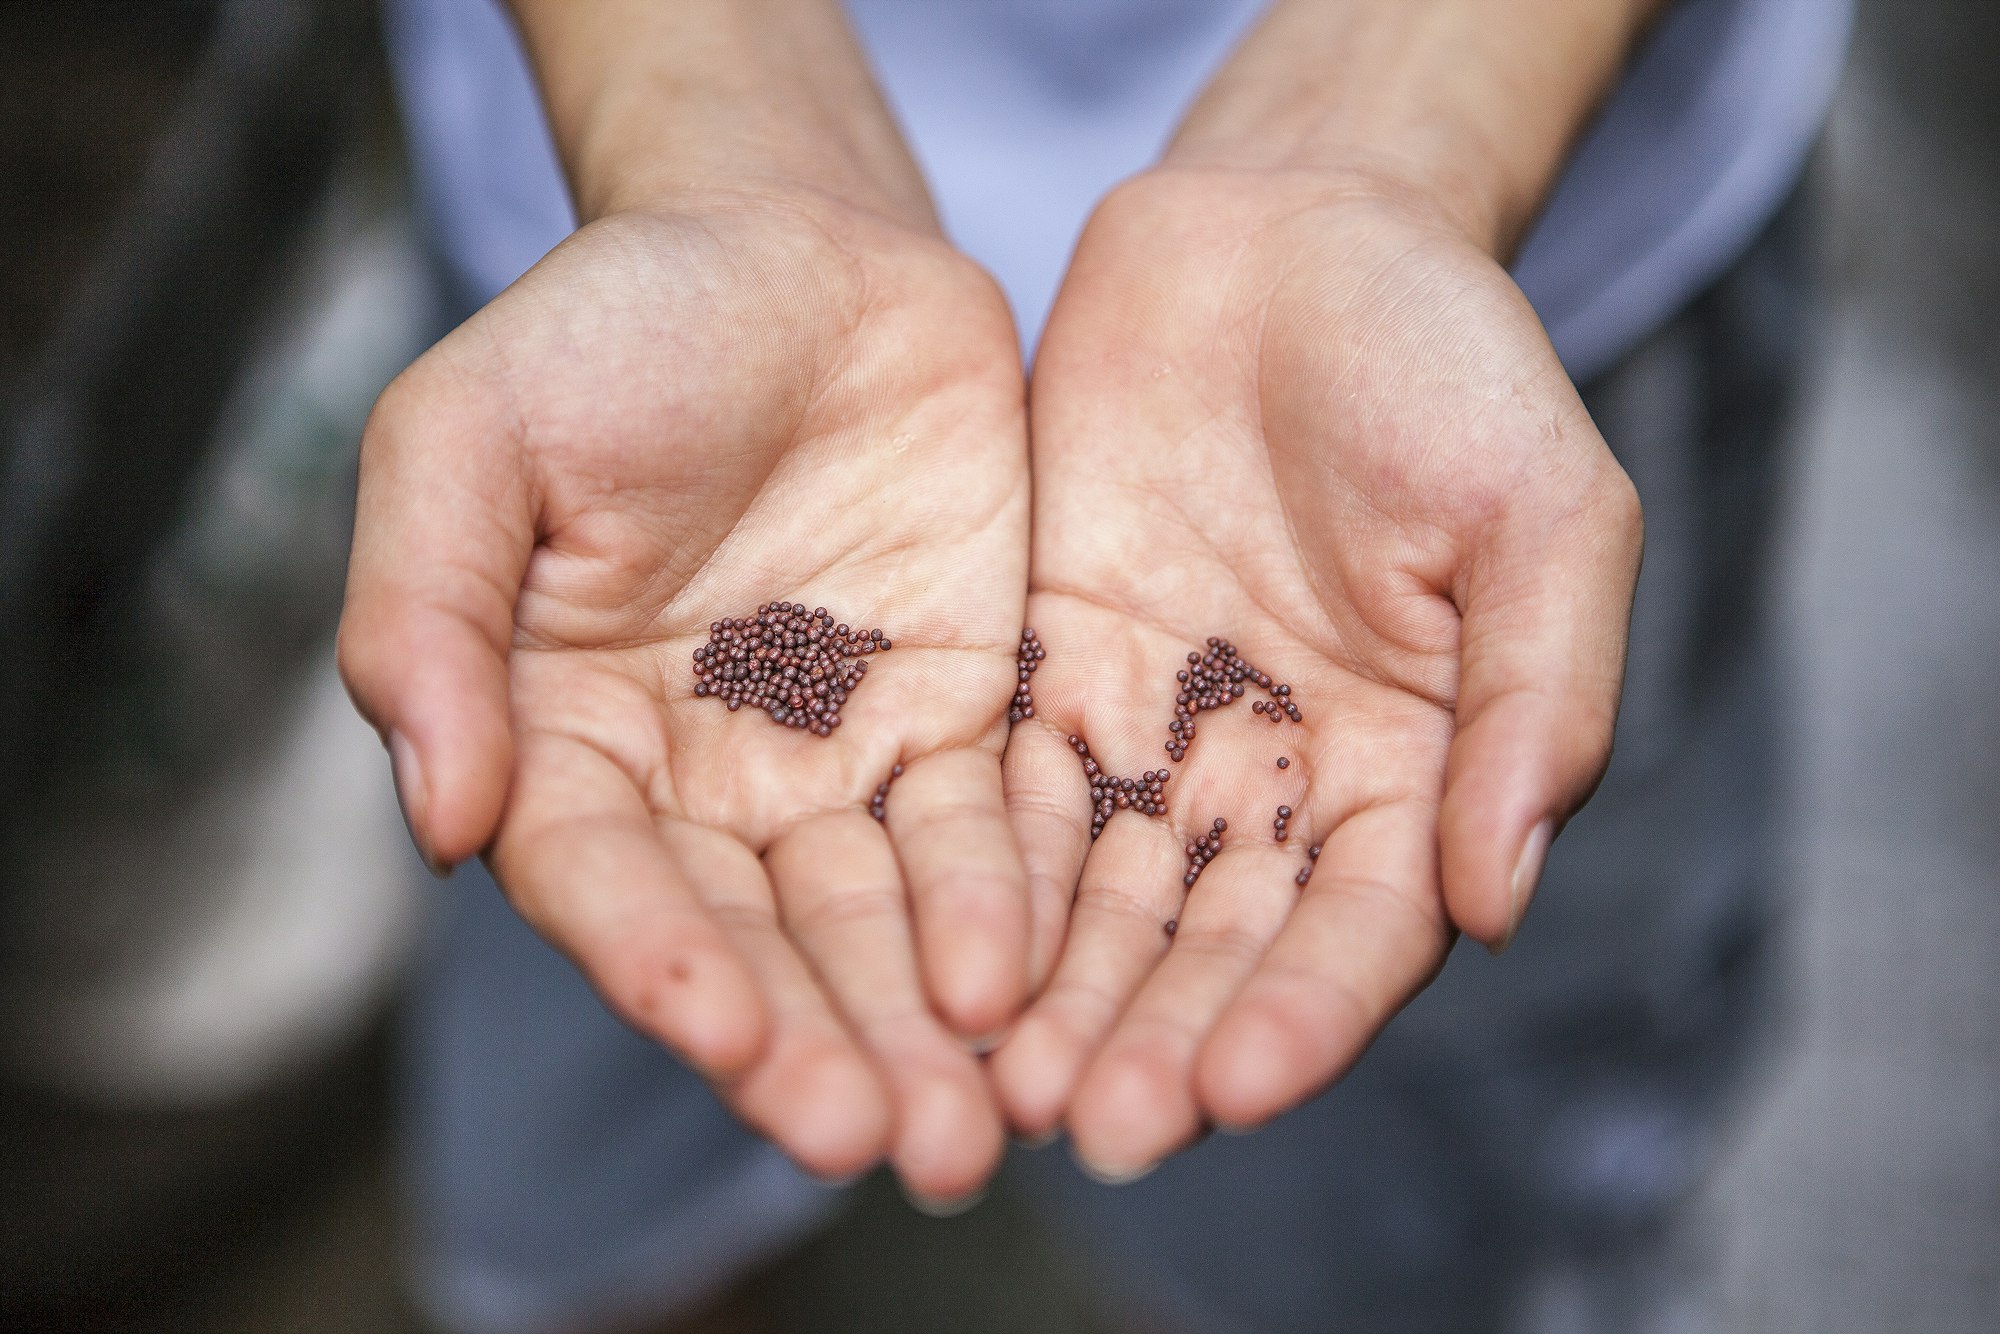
(1291,409)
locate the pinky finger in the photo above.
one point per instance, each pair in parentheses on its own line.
(812,1092)
(583,863)
(1366,936)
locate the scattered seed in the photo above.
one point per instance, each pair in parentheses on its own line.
(795,664)
(1217,678)
(1109,794)
(1173,925)
(1026,658)
(878,805)
(1284,763)
(1305,874)
(1202,851)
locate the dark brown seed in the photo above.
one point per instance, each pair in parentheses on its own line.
(878,805)
(1110,794)
(793,664)
(1305,874)
(1203,850)
(1284,763)
(1173,925)
(1215,679)
(1026,659)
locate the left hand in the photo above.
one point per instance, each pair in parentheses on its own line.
(1300,412)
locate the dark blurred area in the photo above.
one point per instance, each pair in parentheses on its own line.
(206,900)
(192,188)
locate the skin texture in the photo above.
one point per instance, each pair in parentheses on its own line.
(1384,490)
(1287,395)
(673,418)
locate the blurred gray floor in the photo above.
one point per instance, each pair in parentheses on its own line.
(1864,1191)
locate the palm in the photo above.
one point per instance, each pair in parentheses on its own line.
(1313,412)
(703,417)
(876,468)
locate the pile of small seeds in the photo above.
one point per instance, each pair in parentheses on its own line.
(1306,871)
(1026,658)
(793,663)
(1213,679)
(1278,826)
(1202,851)
(1145,794)
(878,805)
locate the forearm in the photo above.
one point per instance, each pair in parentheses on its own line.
(1470,106)
(653,100)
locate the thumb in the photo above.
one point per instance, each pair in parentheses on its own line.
(442,534)
(1545,609)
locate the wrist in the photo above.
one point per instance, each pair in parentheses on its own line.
(652,105)
(1461,109)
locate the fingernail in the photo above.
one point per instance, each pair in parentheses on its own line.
(412,797)
(935,1207)
(1527,873)
(1041,1141)
(980,1046)
(1113,1176)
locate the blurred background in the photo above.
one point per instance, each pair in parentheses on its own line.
(207,902)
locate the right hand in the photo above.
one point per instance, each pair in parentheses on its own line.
(676,416)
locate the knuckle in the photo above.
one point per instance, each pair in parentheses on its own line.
(1119,904)
(842,911)
(952,823)
(1302,1005)
(1223,942)
(1155,1045)
(1423,914)
(744,920)
(1084,1006)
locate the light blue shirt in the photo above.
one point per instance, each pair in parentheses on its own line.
(1024,112)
